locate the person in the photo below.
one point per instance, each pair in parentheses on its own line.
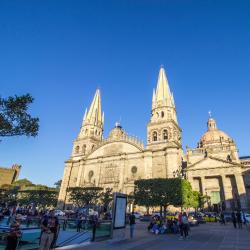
(244,219)
(132,224)
(222,218)
(49,229)
(79,224)
(239,220)
(234,219)
(185,224)
(94,222)
(180,223)
(13,237)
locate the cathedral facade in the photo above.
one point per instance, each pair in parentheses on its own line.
(213,168)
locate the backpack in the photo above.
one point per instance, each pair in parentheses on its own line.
(184,220)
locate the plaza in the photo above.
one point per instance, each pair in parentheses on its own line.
(204,237)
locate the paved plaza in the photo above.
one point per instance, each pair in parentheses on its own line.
(210,236)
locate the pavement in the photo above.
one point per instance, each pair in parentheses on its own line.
(210,236)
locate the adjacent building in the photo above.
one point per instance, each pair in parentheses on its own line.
(213,168)
(9,175)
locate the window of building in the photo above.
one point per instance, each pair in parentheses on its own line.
(90,175)
(77,149)
(162,114)
(154,136)
(165,134)
(134,170)
(93,146)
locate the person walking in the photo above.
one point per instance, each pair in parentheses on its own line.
(234,219)
(239,220)
(222,218)
(185,225)
(94,223)
(49,229)
(132,224)
(180,223)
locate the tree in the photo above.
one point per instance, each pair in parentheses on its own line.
(106,197)
(58,184)
(8,195)
(84,196)
(14,119)
(40,195)
(23,183)
(163,192)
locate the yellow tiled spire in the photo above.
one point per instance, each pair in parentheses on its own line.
(94,115)
(163,95)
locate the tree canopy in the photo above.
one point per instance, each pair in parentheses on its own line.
(14,117)
(84,196)
(164,192)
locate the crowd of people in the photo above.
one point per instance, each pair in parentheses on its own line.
(179,224)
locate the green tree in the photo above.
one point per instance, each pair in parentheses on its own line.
(58,184)
(8,195)
(40,195)
(163,192)
(22,183)
(106,197)
(14,118)
(84,196)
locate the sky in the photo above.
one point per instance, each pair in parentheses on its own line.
(61,51)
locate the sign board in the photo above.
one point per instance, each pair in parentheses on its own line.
(119,210)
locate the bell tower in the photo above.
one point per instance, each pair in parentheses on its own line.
(91,132)
(163,129)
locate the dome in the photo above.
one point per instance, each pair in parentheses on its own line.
(213,135)
(117,132)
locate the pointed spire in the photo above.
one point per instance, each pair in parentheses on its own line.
(153,98)
(85,115)
(94,115)
(163,93)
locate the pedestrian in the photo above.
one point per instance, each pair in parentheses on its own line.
(222,218)
(13,237)
(239,220)
(180,222)
(234,219)
(79,224)
(185,225)
(244,219)
(94,222)
(49,229)
(132,224)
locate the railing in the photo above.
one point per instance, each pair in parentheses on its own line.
(71,231)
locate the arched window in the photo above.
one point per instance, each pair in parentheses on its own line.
(154,136)
(165,134)
(84,149)
(93,146)
(162,114)
(91,174)
(77,149)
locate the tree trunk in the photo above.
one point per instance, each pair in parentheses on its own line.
(161,211)
(165,211)
(147,210)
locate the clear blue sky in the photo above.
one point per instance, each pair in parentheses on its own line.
(61,51)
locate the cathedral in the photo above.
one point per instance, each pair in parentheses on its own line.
(213,168)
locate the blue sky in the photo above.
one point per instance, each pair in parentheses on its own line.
(61,51)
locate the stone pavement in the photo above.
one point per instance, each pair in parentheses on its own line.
(210,236)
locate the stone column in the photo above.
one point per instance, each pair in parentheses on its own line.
(241,190)
(227,190)
(203,185)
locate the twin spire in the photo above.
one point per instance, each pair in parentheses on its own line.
(162,96)
(94,116)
